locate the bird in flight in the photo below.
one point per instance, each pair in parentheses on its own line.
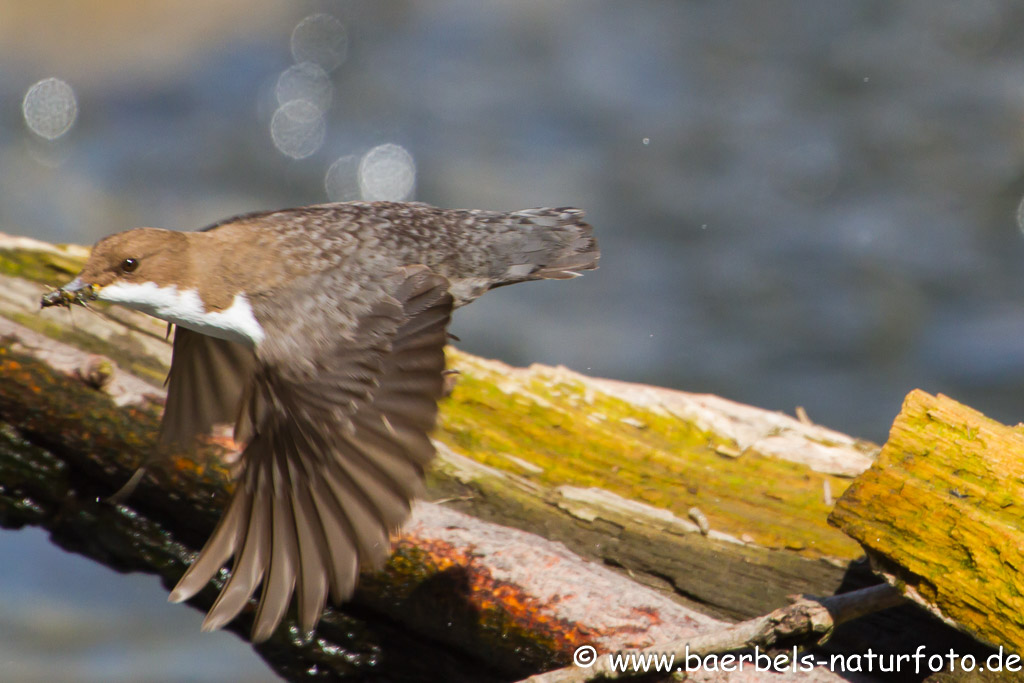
(319,333)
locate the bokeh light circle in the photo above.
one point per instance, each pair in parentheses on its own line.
(297,129)
(342,179)
(321,39)
(305,81)
(387,173)
(50,108)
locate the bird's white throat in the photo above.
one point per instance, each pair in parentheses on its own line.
(184,307)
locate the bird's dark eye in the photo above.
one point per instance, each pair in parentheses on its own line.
(129,265)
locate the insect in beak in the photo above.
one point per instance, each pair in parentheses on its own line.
(74,292)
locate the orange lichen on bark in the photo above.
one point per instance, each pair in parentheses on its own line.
(502,607)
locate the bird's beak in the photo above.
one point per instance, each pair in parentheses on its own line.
(74,292)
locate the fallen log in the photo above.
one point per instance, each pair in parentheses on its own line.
(941,515)
(709,504)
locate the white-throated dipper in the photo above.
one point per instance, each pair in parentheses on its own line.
(319,332)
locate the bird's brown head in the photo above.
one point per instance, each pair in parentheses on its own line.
(134,256)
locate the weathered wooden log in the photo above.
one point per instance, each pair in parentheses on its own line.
(941,514)
(718,506)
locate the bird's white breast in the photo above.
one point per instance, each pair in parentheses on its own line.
(184,307)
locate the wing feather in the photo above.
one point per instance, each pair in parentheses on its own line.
(205,385)
(284,551)
(314,568)
(341,540)
(383,456)
(227,536)
(251,562)
(326,514)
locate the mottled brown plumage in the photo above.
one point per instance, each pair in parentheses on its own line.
(319,333)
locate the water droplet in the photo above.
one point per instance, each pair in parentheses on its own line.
(1020,215)
(305,81)
(342,179)
(387,173)
(297,129)
(50,108)
(647,141)
(321,39)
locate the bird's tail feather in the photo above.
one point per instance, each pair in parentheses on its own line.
(548,244)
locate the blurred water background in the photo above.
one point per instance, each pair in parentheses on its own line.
(799,203)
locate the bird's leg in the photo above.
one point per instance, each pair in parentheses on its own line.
(125,491)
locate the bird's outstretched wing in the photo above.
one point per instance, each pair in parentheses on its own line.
(336,455)
(205,386)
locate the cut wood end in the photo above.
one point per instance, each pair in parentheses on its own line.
(942,506)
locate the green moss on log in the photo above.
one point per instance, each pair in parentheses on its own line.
(562,433)
(44,267)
